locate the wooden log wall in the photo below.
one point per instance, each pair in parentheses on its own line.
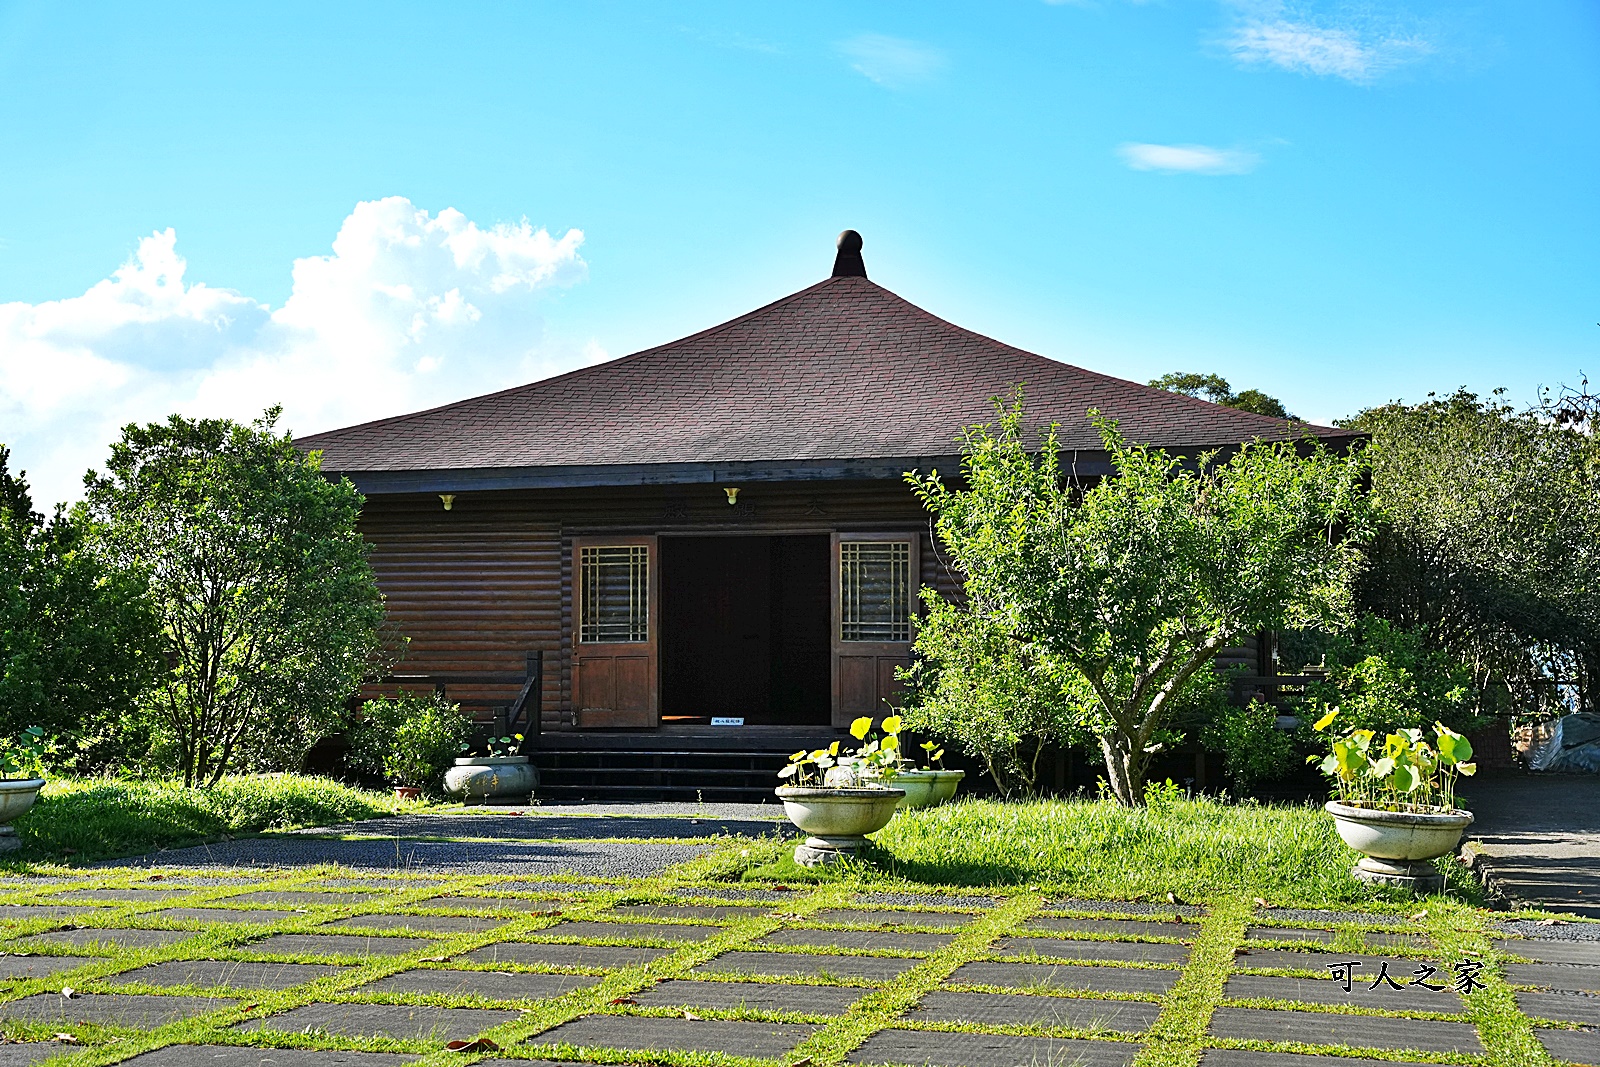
(479,586)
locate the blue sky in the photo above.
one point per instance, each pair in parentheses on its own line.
(1339,204)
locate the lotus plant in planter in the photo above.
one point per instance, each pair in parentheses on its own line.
(1395,803)
(929,784)
(21,778)
(837,798)
(501,773)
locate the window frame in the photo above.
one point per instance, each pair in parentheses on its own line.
(639,595)
(901,623)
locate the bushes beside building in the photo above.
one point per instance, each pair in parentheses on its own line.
(208,608)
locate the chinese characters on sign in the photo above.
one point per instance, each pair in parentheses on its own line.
(1466,976)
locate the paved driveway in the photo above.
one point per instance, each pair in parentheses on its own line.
(1539,837)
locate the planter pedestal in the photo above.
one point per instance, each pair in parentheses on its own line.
(1421,877)
(817,851)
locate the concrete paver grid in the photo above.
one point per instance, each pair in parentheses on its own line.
(1095,1006)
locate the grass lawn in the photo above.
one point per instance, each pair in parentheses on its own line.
(1199,850)
(96,819)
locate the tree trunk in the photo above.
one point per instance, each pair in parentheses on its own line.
(1124,772)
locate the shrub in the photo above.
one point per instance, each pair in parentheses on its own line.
(1488,521)
(78,641)
(408,739)
(269,608)
(1385,677)
(1000,700)
(1253,749)
(1136,581)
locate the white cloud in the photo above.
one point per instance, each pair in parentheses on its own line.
(1188,158)
(1352,45)
(893,62)
(408,311)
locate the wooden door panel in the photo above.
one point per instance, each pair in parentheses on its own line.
(596,682)
(633,685)
(858,686)
(615,673)
(888,688)
(863,670)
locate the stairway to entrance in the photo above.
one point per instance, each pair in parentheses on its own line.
(733,764)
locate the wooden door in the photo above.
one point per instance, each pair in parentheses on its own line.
(616,621)
(875,578)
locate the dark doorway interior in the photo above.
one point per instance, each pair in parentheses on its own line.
(744,629)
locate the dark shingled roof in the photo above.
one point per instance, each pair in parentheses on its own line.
(844,370)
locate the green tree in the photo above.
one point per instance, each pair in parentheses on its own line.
(269,608)
(1488,540)
(1000,699)
(1137,581)
(1215,388)
(78,642)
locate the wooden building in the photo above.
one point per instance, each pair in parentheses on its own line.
(716,528)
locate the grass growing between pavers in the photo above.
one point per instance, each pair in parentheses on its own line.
(1199,849)
(1179,1032)
(95,819)
(978,929)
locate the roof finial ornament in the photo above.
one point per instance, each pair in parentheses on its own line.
(848,263)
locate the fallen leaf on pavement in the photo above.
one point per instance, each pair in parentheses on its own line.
(691,1015)
(624,1000)
(1262,903)
(68,992)
(483,1044)
(65,1039)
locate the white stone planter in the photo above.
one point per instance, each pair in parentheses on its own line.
(1396,846)
(480,778)
(16,796)
(836,821)
(945,784)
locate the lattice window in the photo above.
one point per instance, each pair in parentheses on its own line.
(875,590)
(615,584)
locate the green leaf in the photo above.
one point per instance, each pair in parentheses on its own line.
(1405,779)
(1453,748)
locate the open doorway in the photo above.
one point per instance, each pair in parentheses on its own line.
(744,630)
